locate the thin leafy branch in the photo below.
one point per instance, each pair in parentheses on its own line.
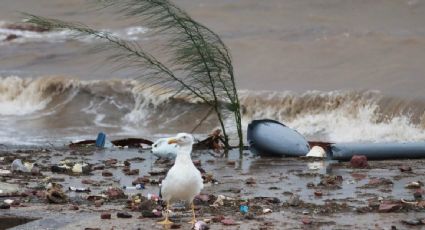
(200,62)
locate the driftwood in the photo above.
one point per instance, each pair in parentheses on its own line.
(130,142)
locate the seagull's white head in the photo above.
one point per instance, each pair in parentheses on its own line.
(182,140)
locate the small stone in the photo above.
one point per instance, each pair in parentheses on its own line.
(217,219)
(105,215)
(306,221)
(107,173)
(11,37)
(74,207)
(98,203)
(148,214)
(98,167)
(231,162)
(405,168)
(228,221)
(294,200)
(127,163)
(412,222)
(115,193)
(318,193)
(359,161)
(250,181)
(414,184)
(197,162)
(124,215)
(389,207)
(111,162)
(132,172)
(358,176)
(4,206)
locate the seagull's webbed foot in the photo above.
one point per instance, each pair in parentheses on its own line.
(166,221)
(193,221)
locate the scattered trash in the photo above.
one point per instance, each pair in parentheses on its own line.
(201,225)
(162,149)
(137,187)
(413,222)
(359,161)
(55,194)
(243,209)
(414,184)
(269,137)
(316,151)
(4,172)
(18,166)
(80,168)
(8,201)
(131,142)
(316,165)
(267,210)
(214,141)
(74,189)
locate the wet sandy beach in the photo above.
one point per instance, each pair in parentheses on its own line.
(301,193)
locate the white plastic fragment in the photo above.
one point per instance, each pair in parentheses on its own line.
(316,151)
(8,201)
(161,148)
(267,210)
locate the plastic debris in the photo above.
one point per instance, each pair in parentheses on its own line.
(4,172)
(74,189)
(267,210)
(413,184)
(316,151)
(8,201)
(162,149)
(137,187)
(201,225)
(243,209)
(18,166)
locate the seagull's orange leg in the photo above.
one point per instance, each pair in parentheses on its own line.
(193,221)
(166,221)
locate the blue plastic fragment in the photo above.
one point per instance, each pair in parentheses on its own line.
(243,209)
(100,141)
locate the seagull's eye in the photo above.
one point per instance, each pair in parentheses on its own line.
(154,145)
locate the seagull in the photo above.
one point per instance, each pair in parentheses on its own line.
(183,180)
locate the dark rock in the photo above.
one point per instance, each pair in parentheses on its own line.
(4,206)
(132,172)
(217,218)
(294,200)
(105,215)
(98,167)
(413,222)
(111,162)
(74,207)
(232,163)
(148,214)
(359,161)
(228,221)
(58,169)
(197,163)
(250,181)
(107,173)
(124,215)
(115,193)
(11,37)
(389,207)
(405,168)
(306,220)
(127,163)
(318,193)
(141,180)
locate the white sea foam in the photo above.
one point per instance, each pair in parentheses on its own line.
(130,33)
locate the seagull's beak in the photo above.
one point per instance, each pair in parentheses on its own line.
(172,141)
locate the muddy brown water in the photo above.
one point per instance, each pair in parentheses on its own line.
(274,177)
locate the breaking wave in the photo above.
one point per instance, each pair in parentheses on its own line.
(61,109)
(32,34)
